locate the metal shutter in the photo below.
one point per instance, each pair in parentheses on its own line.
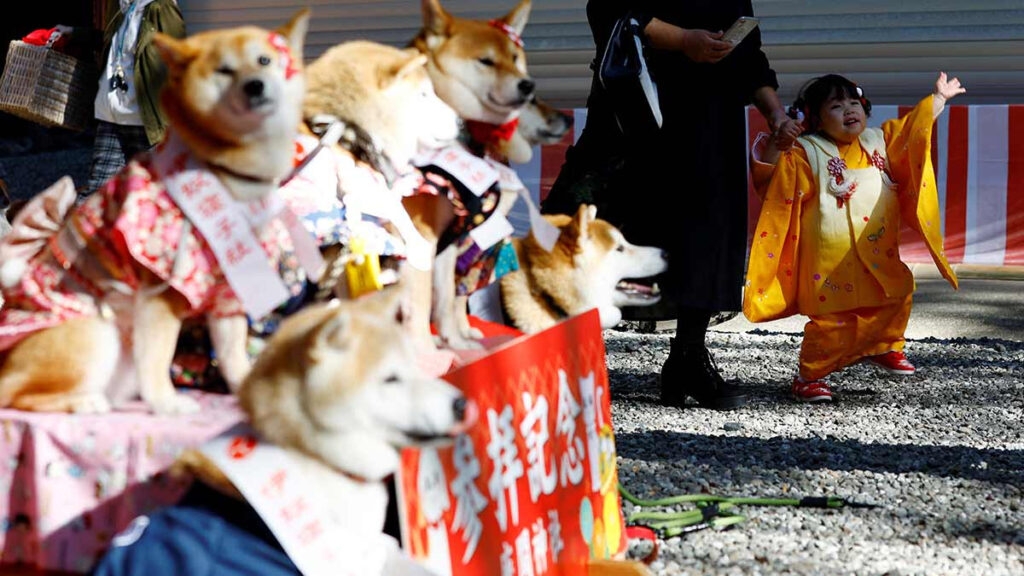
(893,48)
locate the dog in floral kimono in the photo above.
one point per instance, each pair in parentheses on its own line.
(96,293)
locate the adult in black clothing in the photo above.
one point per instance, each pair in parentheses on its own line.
(683,189)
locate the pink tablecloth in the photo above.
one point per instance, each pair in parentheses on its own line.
(73,481)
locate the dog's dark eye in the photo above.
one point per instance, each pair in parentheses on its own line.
(620,248)
(264,60)
(486,61)
(393,379)
(226,70)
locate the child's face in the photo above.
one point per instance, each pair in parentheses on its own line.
(843,119)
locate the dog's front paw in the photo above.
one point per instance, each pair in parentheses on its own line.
(90,404)
(175,405)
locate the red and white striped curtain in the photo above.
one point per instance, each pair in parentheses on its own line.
(978,155)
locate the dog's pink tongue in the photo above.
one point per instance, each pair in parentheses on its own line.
(469,418)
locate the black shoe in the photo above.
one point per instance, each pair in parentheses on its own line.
(690,371)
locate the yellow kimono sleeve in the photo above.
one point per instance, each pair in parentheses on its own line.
(770,290)
(760,172)
(908,146)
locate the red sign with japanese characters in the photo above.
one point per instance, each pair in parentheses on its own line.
(532,488)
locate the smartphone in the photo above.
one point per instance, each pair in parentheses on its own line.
(740,28)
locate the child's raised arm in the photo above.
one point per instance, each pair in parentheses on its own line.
(945,89)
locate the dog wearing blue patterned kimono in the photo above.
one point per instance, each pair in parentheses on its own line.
(96,293)
(299,487)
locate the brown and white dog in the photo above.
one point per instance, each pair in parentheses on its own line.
(591,266)
(96,293)
(479,68)
(539,123)
(384,98)
(331,400)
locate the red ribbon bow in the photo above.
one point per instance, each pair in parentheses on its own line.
(509,31)
(487,133)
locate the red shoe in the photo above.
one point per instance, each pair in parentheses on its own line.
(892,362)
(811,390)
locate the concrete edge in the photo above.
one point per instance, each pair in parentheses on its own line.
(970,271)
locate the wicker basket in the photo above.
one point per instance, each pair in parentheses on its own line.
(48,87)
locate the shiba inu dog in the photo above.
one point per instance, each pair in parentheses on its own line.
(384,91)
(96,293)
(330,401)
(478,67)
(542,123)
(591,266)
(384,98)
(539,123)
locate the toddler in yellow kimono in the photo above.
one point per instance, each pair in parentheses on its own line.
(827,240)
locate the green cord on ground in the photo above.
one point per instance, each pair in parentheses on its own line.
(712,511)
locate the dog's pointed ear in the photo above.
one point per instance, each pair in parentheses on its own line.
(331,333)
(176,54)
(585,214)
(391,302)
(516,19)
(414,61)
(295,31)
(435,19)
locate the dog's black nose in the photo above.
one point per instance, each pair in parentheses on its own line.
(459,408)
(253,88)
(526,86)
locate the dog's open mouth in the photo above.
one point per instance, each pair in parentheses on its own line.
(636,293)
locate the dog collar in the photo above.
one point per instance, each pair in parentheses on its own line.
(487,133)
(509,31)
(240,175)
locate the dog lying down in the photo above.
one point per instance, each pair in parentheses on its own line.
(329,402)
(591,266)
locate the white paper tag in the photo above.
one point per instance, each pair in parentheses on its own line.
(493,230)
(473,172)
(226,225)
(387,204)
(507,177)
(316,542)
(543,231)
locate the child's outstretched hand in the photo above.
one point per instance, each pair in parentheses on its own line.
(947,89)
(944,90)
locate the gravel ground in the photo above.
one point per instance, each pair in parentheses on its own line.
(940,452)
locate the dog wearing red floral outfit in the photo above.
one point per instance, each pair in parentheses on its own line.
(96,293)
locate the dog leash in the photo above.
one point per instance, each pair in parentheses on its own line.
(714,511)
(333,130)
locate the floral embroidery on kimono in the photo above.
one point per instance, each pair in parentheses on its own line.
(131,222)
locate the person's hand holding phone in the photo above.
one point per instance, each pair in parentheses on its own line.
(704,46)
